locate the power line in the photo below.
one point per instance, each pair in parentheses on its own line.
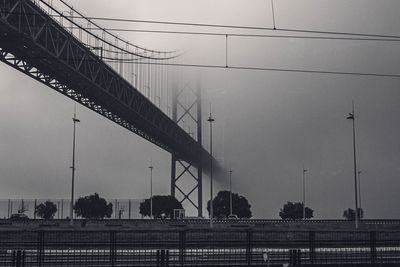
(240,27)
(381,38)
(255,35)
(311,71)
(278,69)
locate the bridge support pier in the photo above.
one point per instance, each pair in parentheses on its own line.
(181,169)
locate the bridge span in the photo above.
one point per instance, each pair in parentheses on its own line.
(82,63)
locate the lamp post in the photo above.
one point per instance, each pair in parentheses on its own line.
(359,189)
(351,116)
(151,189)
(211,120)
(304,193)
(71,212)
(230,191)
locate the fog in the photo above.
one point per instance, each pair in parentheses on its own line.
(268,124)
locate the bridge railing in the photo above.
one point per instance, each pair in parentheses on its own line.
(197,248)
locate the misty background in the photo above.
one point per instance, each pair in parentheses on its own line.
(267,124)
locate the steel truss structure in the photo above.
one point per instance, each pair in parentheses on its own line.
(36,45)
(186,167)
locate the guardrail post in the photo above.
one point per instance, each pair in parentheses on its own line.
(372,241)
(40,248)
(249,244)
(311,240)
(113,247)
(182,245)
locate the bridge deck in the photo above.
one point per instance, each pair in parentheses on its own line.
(35,44)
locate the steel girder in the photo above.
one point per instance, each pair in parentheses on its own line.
(33,43)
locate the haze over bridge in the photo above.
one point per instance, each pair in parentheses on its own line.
(84,64)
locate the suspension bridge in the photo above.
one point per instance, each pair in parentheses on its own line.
(119,80)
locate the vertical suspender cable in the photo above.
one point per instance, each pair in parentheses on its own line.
(226,50)
(148,79)
(159,84)
(167,89)
(273,13)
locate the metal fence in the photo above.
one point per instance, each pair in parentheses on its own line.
(197,248)
(122,208)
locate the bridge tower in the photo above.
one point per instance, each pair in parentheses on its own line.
(182,170)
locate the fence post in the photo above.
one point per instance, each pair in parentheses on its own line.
(115,209)
(34,209)
(113,247)
(182,244)
(249,242)
(311,240)
(130,209)
(40,248)
(372,240)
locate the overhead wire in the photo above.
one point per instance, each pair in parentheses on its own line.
(278,69)
(253,35)
(392,38)
(243,27)
(312,71)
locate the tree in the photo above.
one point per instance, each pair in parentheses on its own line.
(221,205)
(93,207)
(294,211)
(46,210)
(349,214)
(163,206)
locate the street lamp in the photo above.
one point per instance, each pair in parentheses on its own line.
(351,116)
(151,189)
(304,193)
(71,213)
(211,120)
(230,190)
(359,188)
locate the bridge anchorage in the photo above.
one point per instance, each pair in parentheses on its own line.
(102,72)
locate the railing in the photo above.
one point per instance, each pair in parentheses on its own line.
(198,248)
(365,224)
(122,208)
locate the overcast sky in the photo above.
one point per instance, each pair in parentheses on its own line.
(268,124)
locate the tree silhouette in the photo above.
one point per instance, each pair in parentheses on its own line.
(163,206)
(221,205)
(349,214)
(93,207)
(46,210)
(294,211)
